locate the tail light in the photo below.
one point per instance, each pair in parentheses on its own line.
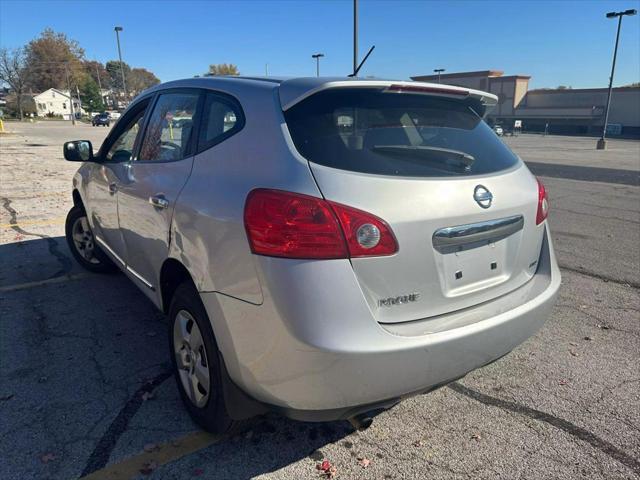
(543,204)
(292,225)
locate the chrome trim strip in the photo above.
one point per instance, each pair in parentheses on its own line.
(108,248)
(476,232)
(139,277)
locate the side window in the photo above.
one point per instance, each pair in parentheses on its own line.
(122,149)
(221,118)
(169,129)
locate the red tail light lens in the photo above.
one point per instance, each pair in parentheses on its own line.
(366,234)
(543,204)
(292,225)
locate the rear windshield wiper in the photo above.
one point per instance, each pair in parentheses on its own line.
(430,153)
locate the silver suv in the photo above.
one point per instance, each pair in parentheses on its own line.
(323,247)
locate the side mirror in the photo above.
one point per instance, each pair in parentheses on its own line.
(78,151)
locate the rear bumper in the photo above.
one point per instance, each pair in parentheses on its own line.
(313,356)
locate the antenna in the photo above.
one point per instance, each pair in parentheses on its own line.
(355,73)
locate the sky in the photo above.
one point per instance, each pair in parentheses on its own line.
(556,42)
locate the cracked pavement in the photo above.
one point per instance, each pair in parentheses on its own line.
(84,383)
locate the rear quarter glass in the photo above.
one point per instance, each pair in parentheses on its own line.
(398,134)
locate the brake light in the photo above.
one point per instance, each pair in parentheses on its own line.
(292,225)
(543,204)
(430,90)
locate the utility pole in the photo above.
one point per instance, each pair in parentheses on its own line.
(73,114)
(124,85)
(317,56)
(602,142)
(355,35)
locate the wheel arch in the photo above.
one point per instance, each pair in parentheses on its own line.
(172,274)
(77,199)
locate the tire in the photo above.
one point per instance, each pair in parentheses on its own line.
(84,249)
(206,405)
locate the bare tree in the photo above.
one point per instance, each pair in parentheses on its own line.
(13,71)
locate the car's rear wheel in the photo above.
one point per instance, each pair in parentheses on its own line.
(196,364)
(82,243)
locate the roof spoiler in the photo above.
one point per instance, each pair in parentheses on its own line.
(296,90)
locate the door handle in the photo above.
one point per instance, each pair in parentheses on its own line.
(158,201)
(113,188)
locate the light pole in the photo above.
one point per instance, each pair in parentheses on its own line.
(317,56)
(602,142)
(439,71)
(124,85)
(355,36)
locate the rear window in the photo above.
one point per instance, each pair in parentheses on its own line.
(378,132)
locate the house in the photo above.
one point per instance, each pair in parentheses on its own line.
(57,102)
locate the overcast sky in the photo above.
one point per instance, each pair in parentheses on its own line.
(556,42)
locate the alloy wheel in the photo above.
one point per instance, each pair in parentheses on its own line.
(191,358)
(83,240)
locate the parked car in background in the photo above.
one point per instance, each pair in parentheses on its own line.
(498,129)
(322,248)
(101,119)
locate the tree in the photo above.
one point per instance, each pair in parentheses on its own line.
(140,79)
(14,72)
(15,108)
(90,95)
(223,69)
(113,69)
(564,87)
(634,85)
(49,57)
(99,74)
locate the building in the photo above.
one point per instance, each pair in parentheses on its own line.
(57,102)
(561,111)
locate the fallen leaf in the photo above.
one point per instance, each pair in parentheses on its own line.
(328,470)
(603,327)
(562,382)
(148,467)
(587,338)
(417,443)
(476,437)
(148,396)
(573,344)
(364,462)
(47,457)
(573,352)
(151,447)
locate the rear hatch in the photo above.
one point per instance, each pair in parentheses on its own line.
(462,206)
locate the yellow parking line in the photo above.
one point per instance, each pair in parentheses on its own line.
(160,454)
(43,222)
(37,283)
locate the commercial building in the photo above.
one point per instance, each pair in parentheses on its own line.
(560,111)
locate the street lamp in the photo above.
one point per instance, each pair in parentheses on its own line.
(602,142)
(124,85)
(439,71)
(317,56)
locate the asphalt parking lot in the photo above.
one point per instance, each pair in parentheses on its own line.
(85,388)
